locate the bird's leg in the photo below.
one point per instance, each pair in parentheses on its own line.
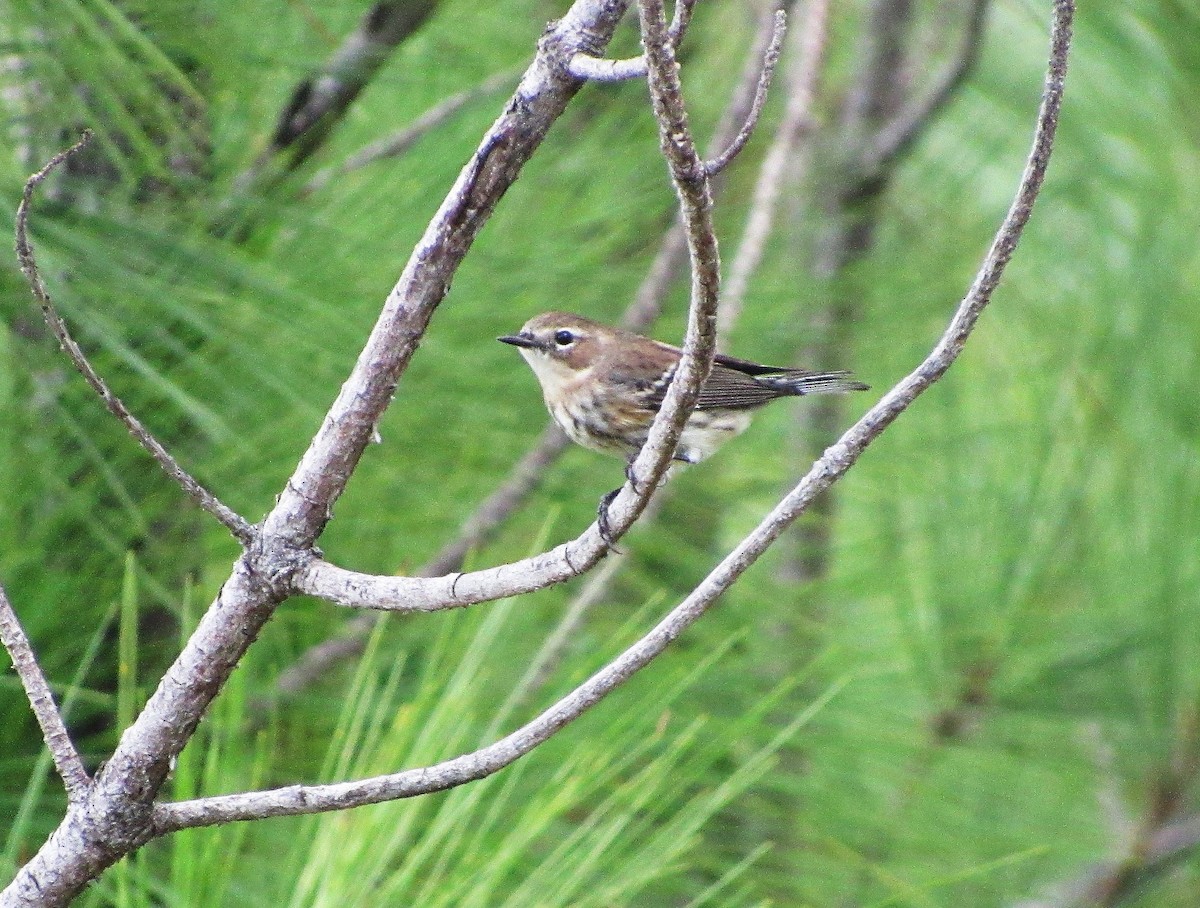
(602,520)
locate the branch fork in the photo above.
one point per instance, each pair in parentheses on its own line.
(119,811)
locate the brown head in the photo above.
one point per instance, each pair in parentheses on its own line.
(562,348)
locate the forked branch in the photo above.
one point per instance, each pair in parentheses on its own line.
(770,61)
(598,69)
(836,461)
(691,181)
(526,474)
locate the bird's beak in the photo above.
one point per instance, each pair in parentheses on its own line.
(521,340)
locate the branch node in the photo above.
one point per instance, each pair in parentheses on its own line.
(589,68)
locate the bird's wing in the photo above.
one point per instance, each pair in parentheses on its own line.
(724,389)
(733,389)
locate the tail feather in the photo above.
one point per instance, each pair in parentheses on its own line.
(812,383)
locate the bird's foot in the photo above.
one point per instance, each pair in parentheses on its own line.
(602,520)
(634,484)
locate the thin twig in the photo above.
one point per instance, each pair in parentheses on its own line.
(599,69)
(691,183)
(836,461)
(232,521)
(54,729)
(402,140)
(810,40)
(770,60)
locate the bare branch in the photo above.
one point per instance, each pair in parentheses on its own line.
(809,41)
(695,199)
(672,252)
(54,729)
(232,521)
(527,474)
(435,594)
(812,41)
(897,136)
(770,60)
(351,588)
(598,69)
(401,141)
(836,461)
(115,817)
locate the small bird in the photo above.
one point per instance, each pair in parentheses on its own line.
(604,385)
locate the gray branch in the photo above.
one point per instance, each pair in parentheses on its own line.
(115,818)
(232,521)
(598,69)
(37,690)
(836,461)
(528,473)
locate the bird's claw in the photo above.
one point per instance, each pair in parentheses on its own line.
(633,483)
(602,520)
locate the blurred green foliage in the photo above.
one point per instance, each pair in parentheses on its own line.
(993,686)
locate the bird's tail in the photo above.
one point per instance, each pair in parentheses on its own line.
(800,383)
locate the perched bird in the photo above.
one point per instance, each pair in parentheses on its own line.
(604,385)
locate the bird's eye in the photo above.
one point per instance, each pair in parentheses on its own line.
(564,338)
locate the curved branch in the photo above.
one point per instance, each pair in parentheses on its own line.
(230,519)
(836,461)
(648,468)
(114,819)
(527,474)
(695,201)
(321,477)
(37,690)
(770,61)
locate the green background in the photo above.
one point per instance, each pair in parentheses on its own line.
(992,688)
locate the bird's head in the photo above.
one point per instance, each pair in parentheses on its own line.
(561,348)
